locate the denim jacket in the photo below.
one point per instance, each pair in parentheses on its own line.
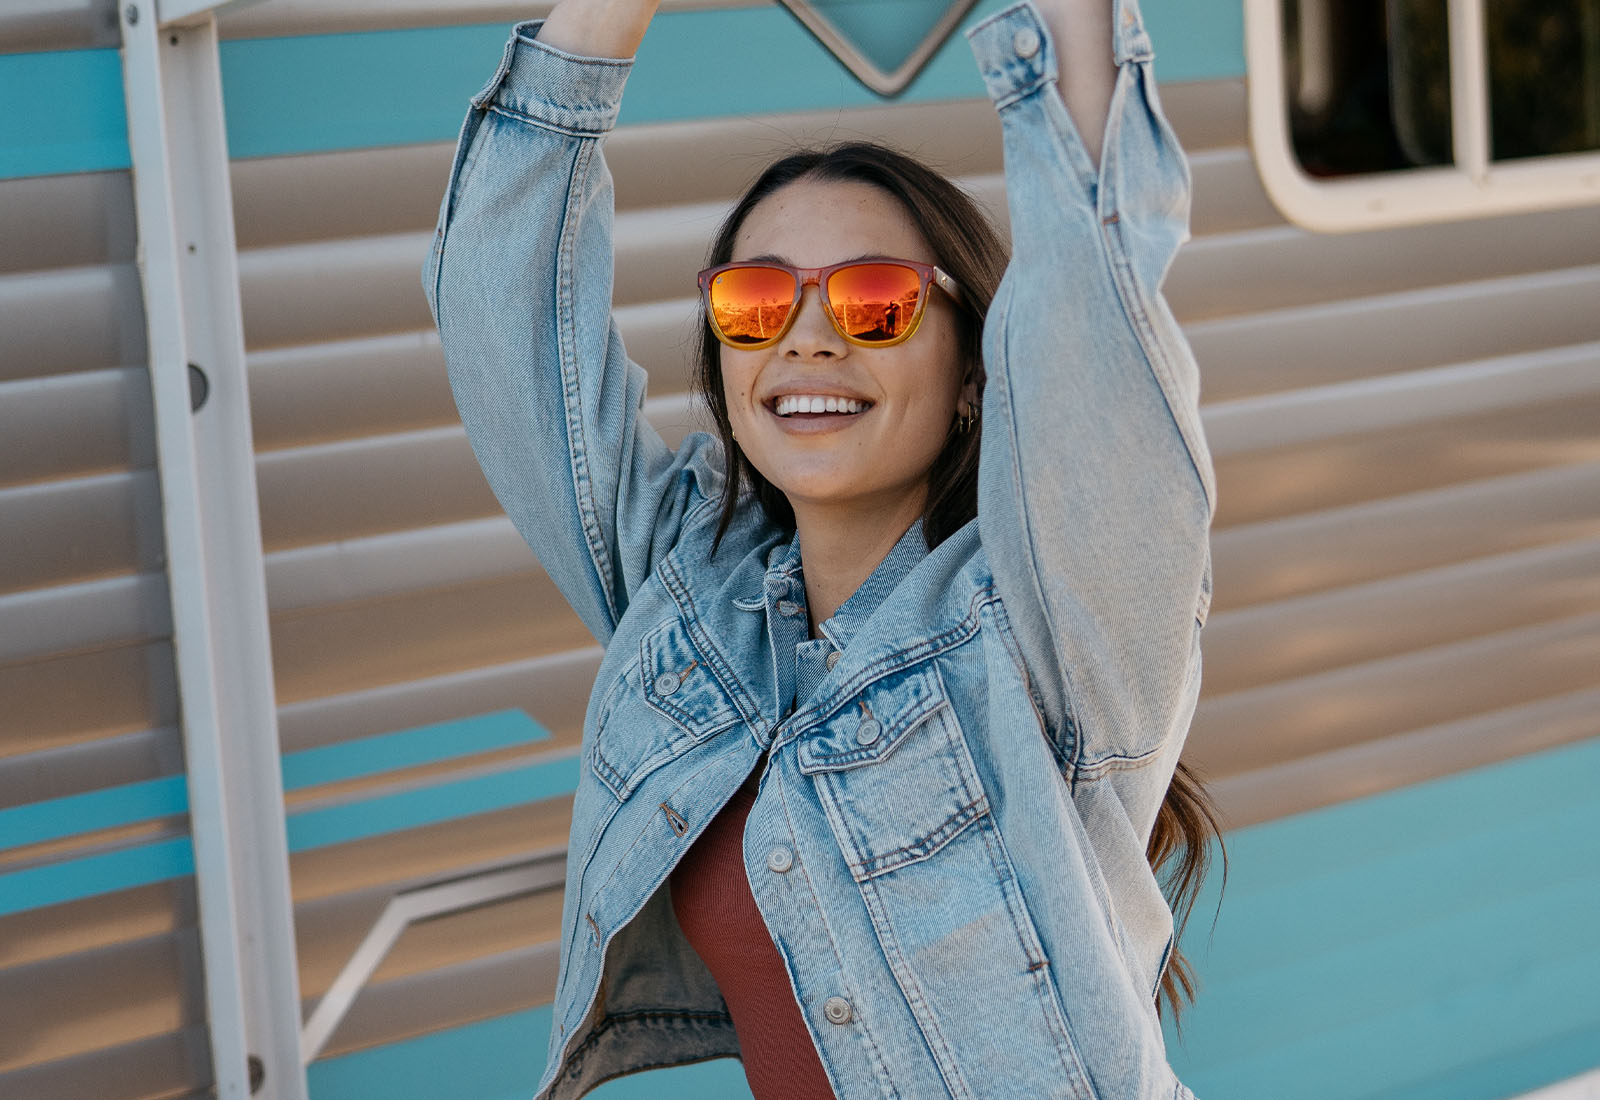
(962,773)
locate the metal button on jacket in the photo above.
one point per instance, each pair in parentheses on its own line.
(789,608)
(667,683)
(869,731)
(837,1010)
(833,659)
(1026,42)
(780,859)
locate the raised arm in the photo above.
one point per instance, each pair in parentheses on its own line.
(1095,483)
(520,281)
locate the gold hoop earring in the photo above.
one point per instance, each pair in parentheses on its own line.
(968,417)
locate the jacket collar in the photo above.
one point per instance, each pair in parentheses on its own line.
(896,565)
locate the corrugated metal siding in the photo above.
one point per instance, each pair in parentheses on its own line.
(102,993)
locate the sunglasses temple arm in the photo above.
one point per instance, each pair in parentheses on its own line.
(949,285)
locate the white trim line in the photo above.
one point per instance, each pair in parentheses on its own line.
(1585,1086)
(188,265)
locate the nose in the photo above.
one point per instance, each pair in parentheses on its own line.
(812,335)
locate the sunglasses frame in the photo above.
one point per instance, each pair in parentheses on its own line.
(818,277)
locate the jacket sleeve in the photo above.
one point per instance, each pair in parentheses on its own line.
(520,280)
(1095,485)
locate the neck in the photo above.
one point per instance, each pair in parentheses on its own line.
(840,546)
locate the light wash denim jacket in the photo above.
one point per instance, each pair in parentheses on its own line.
(948,845)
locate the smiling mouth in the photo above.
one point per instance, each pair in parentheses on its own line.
(805,404)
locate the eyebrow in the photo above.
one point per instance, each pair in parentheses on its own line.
(772,258)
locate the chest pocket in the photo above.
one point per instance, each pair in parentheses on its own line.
(662,707)
(894,774)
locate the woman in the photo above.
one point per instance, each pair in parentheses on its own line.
(871,787)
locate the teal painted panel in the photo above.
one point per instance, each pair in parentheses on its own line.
(1428,983)
(1407,888)
(886,31)
(106,873)
(61,111)
(387,752)
(1320,842)
(1399,946)
(317,93)
(498,1059)
(1196,41)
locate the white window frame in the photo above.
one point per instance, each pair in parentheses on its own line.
(1474,186)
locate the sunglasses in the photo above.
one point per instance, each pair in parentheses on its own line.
(872,303)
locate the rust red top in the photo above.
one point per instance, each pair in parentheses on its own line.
(718,914)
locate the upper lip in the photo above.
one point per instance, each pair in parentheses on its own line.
(812,389)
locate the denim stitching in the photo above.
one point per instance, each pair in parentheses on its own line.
(916,1000)
(566,338)
(1044,982)
(726,677)
(916,852)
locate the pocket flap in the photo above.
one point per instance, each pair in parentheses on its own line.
(871,726)
(678,683)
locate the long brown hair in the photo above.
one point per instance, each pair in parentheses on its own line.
(966,246)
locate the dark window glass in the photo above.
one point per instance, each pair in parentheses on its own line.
(1544,77)
(1368,84)
(1368,81)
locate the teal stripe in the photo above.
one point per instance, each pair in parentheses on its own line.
(79,814)
(76,814)
(106,873)
(388,752)
(431,805)
(61,111)
(316,93)
(499,1059)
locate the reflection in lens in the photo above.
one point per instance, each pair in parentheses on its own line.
(874,302)
(751,304)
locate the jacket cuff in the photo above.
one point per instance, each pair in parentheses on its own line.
(1015,53)
(577,95)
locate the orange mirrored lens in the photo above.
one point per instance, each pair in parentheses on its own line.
(751,304)
(874,302)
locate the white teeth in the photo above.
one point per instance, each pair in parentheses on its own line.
(792,403)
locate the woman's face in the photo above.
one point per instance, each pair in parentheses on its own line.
(881,455)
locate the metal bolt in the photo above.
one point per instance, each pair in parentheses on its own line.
(132,12)
(199,388)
